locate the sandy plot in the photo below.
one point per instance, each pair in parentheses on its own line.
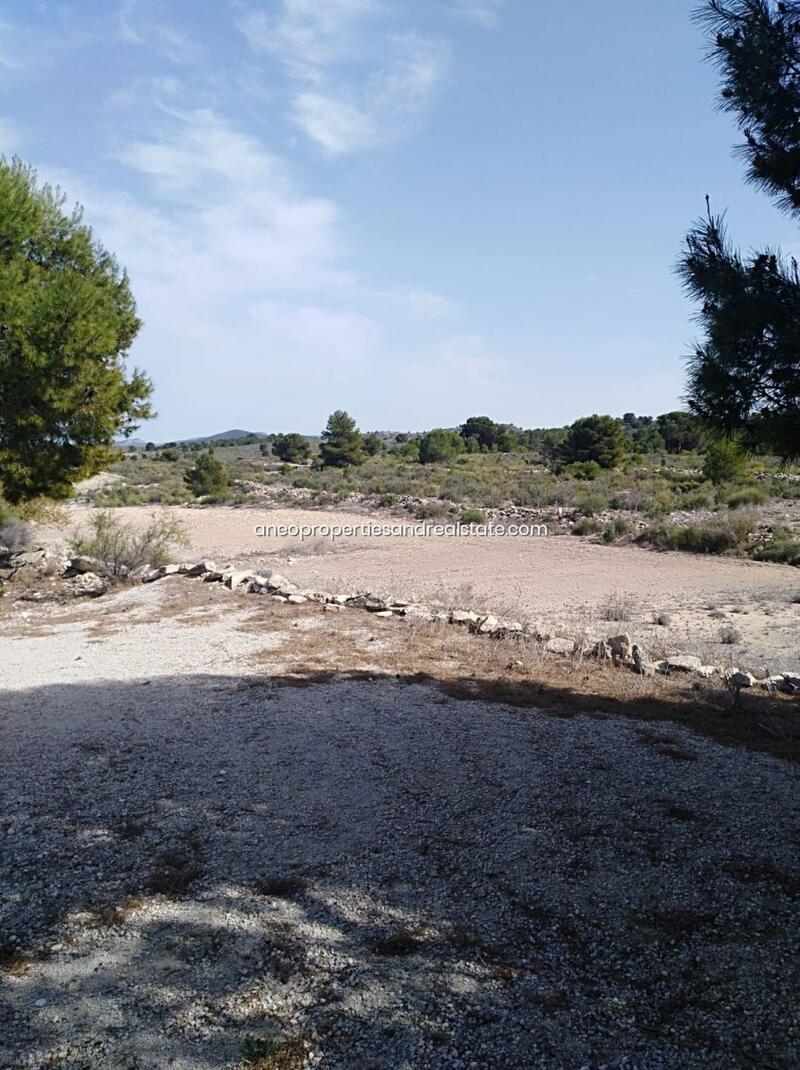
(730,611)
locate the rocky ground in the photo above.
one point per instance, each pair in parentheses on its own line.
(210,858)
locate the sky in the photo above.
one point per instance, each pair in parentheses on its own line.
(415,210)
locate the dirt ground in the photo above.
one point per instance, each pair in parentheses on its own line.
(728,611)
(216,851)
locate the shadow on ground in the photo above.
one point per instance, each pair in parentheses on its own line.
(374,873)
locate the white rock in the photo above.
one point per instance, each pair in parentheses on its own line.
(488,625)
(680,663)
(560,645)
(296,599)
(237,578)
(383,613)
(276,582)
(464,616)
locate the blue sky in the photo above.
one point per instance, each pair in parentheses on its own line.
(417,210)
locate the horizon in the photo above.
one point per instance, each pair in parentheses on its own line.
(409,213)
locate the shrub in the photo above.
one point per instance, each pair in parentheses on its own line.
(729,636)
(616,608)
(783,548)
(717,536)
(725,461)
(583,470)
(207,478)
(616,529)
(473,516)
(440,445)
(291,448)
(121,550)
(15,534)
(587,525)
(746,496)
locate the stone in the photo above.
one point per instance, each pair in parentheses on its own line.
(772,683)
(201,568)
(640,662)
(706,671)
(488,626)
(464,616)
(418,612)
(790,683)
(89,583)
(679,663)
(332,607)
(237,578)
(560,645)
(276,582)
(296,599)
(214,576)
(620,647)
(739,678)
(384,613)
(82,564)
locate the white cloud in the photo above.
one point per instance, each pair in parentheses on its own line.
(355,83)
(139,24)
(484,12)
(308,34)
(241,280)
(340,339)
(337,124)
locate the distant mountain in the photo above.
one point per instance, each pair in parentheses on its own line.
(223,436)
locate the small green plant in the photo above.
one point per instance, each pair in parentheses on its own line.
(616,529)
(255,1049)
(587,525)
(473,516)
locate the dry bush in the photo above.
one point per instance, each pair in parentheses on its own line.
(121,550)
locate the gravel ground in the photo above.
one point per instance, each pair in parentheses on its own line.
(193,858)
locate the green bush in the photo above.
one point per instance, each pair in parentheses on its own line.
(717,536)
(587,525)
(616,529)
(208,478)
(473,516)
(725,461)
(440,445)
(783,548)
(746,496)
(596,438)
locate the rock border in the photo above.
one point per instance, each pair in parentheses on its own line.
(619,649)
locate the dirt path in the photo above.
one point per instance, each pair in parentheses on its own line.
(198,862)
(729,611)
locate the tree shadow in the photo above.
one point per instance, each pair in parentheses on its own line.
(381,873)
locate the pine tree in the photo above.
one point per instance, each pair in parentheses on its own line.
(67,320)
(744,376)
(342,443)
